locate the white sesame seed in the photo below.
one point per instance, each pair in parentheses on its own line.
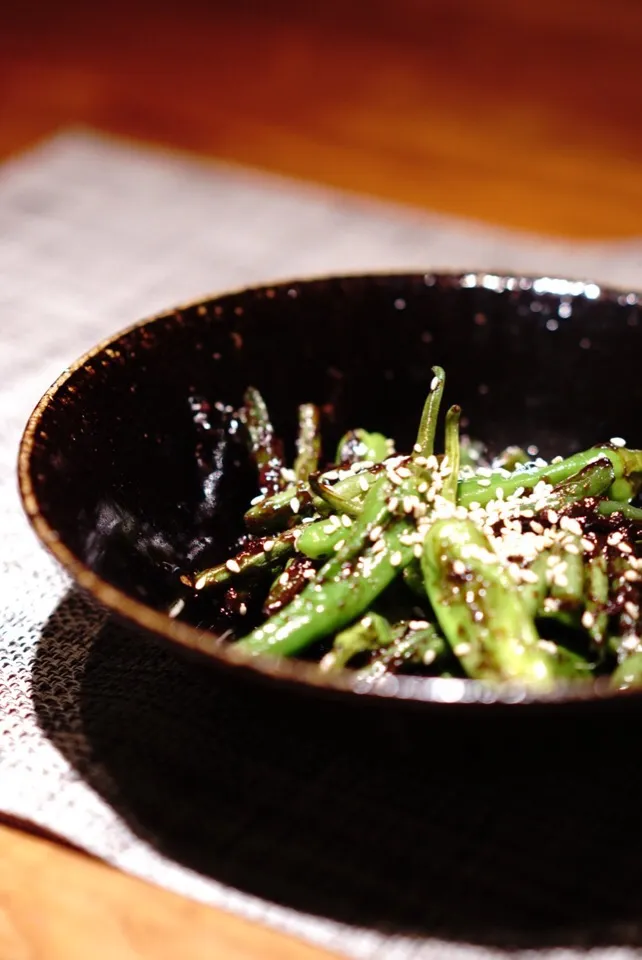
(339,545)
(309,574)
(483,482)
(418,624)
(396,558)
(462,649)
(363,484)
(177,607)
(375,533)
(285,577)
(378,546)
(429,657)
(624,548)
(319,608)
(632,609)
(614,538)
(258,499)
(547,646)
(242,609)
(536,527)
(346,520)
(630,643)
(294,504)
(631,575)
(478,616)
(552,516)
(459,567)
(404,472)
(268,545)
(331,475)
(588,620)
(232,566)
(417,550)
(618,442)
(434,383)
(588,545)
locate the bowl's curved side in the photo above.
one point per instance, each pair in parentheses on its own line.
(504,309)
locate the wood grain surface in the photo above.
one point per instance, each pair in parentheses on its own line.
(56,904)
(524,114)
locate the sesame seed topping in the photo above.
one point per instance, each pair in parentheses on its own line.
(346,520)
(588,620)
(285,577)
(434,383)
(484,482)
(618,442)
(232,566)
(632,609)
(339,545)
(396,558)
(268,545)
(417,550)
(242,609)
(459,567)
(375,533)
(429,657)
(418,624)
(363,484)
(462,649)
(294,504)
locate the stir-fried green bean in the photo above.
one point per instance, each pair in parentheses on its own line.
(438,563)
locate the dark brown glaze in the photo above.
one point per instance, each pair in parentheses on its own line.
(108,457)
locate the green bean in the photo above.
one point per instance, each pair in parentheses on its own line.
(451,460)
(289,582)
(258,557)
(264,447)
(567,576)
(369,633)
(608,507)
(623,462)
(423,646)
(326,604)
(628,673)
(596,599)
(356,445)
(308,444)
(509,459)
(478,607)
(330,498)
(425,445)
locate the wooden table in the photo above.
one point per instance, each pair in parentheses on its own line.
(525,114)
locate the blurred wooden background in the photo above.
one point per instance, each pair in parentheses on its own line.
(523,113)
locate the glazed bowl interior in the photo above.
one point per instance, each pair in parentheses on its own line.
(108,457)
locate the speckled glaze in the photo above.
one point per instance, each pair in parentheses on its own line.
(556,369)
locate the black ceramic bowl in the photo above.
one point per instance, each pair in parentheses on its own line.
(109,448)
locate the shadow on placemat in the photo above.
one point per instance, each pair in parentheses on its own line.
(469,833)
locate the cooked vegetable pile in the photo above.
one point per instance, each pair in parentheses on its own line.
(444,564)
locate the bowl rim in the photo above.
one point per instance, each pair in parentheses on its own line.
(426,690)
